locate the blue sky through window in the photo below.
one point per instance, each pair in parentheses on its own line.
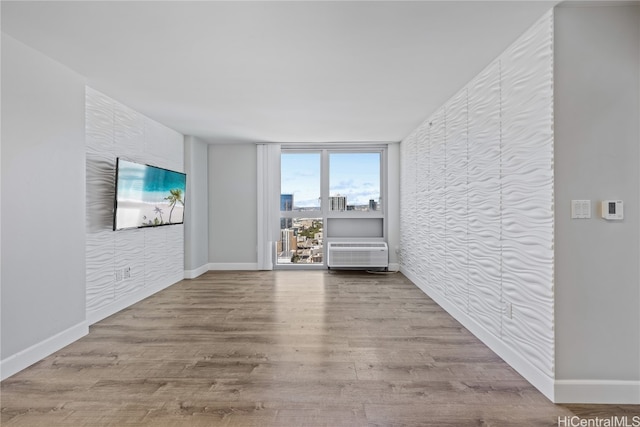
(353,175)
(356,176)
(300,176)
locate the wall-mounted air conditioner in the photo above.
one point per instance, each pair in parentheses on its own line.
(357,254)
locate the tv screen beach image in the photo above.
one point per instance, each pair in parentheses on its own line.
(148,196)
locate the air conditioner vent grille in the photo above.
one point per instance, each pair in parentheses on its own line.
(359,245)
(358,254)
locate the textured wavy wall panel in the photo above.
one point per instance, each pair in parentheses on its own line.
(404,198)
(527,194)
(422,231)
(129,134)
(456,200)
(100,265)
(100,183)
(413,223)
(155,254)
(114,130)
(174,150)
(485,188)
(422,159)
(100,164)
(156,152)
(484,217)
(174,267)
(408,206)
(163,147)
(129,252)
(99,237)
(437,182)
(99,111)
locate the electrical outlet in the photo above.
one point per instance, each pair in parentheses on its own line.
(118,275)
(127,272)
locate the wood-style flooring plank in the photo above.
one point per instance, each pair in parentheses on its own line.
(285,348)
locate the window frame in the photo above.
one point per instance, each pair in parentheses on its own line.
(356,214)
(324,213)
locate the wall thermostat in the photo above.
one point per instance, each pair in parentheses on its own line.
(612,209)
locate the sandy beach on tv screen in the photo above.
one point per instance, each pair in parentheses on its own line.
(136,214)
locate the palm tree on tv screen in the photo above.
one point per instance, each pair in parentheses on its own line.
(174,198)
(158,211)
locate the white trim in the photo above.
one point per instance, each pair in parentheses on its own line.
(597,392)
(544,383)
(192,274)
(230,266)
(129,300)
(25,358)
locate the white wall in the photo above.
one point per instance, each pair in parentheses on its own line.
(233,206)
(196,222)
(155,255)
(597,72)
(477,205)
(43,206)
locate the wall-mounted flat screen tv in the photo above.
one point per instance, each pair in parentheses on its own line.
(147,196)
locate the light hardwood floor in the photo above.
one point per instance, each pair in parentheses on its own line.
(311,348)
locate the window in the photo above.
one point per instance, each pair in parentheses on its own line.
(321,184)
(354,182)
(300,205)
(300,181)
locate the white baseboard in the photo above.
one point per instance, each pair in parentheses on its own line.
(233,266)
(544,383)
(394,266)
(25,358)
(597,391)
(192,274)
(121,304)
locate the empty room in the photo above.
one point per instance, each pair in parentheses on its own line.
(320,213)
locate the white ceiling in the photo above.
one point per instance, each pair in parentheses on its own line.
(299,71)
